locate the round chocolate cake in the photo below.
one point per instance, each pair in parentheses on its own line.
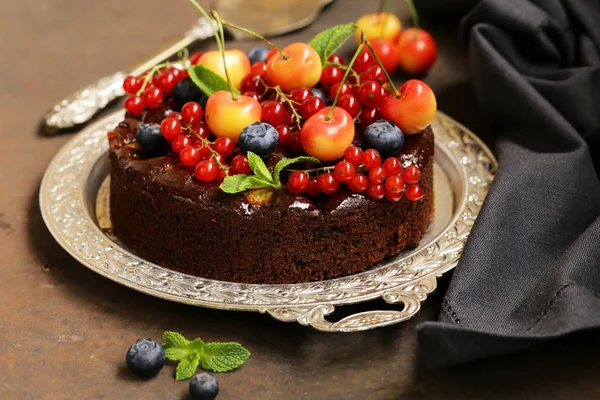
(160,211)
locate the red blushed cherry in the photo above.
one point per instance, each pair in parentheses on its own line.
(180,143)
(297,182)
(414,110)
(224,146)
(370,93)
(417,51)
(331,75)
(259,67)
(189,156)
(378,26)
(344,171)
(313,189)
(226,116)
(388,53)
(327,138)
(327,183)
(196,57)
(152,97)
(414,192)
(302,68)
(411,174)
(300,94)
(134,105)
(349,103)
(191,112)
(170,128)
(311,106)
(284,133)
(274,112)
(240,165)
(369,115)
(131,84)
(271,53)
(358,183)
(238,64)
(206,171)
(375,191)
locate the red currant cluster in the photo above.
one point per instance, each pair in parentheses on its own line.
(149,89)
(362,172)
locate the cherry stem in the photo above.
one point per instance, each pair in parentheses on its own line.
(256,35)
(414,13)
(389,79)
(383,7)
(205,15)
(337,95)
(214,14)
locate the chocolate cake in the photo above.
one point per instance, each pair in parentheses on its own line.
(162,213)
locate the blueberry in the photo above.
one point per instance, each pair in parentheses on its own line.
(320,94)
(145,358)
(384,136)
(185,91)
(258,53)
(204,387)
(259,138)
(151,140)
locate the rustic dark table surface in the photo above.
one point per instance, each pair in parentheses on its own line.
(64,330)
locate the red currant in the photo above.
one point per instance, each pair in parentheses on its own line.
(373,73)
(411,174)
(327,183)
(170,128)
(259,67)
(206,171)
(252,94)
(284,135)
(313,189)
(271,53)
(189,156)
(335,59)
(196,57)
(354,155)
(369,115)
(201,129)
(252,83)
(358,183)
(224,146)
(331,75)
(240,165)
(414,192)
(376,192)
(394,184)
(191,111)
(298,182)
(180,143)
(274,112)
(223,173)
(363,61)
(152,97)
(204,151)
(134,105)
(344,171)
(370,93)
(174,114)
(166,81)
(393,197)
(377,175)
(349,103)
(178,74)
(300,94)
(371,159)
(131,84)
(311,106)
(346,89)
(392,166)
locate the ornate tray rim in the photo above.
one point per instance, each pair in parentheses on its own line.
(407,280)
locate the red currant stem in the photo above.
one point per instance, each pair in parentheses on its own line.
(389,79)
(205,15)
(282,95)
(256,35)
(222,50)
(337,95)
(214,154)
(150,74)
(414,13)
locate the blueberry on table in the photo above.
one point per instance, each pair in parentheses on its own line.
(145,358)
(384,136)
(258,53)
(260,138)
(204,387)
(151,140)
(186,91)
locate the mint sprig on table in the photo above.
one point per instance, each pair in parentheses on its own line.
(215,357)
(208,81)
(328,41)
(261,176)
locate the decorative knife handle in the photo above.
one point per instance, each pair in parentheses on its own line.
(81,106)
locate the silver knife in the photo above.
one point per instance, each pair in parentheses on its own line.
(266,17)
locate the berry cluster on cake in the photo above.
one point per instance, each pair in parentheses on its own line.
(275,166)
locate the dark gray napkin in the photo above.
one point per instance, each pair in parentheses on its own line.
(530,271)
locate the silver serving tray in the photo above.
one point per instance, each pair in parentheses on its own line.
(74,208)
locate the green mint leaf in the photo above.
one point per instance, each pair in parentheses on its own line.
(254,182)
(175,354)
(329,40)
(187,367)
(196,345)
(208,81)
(175,340)
(288,161)
(259,168)
(231,184)
(223,357)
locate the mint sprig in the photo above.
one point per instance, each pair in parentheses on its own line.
(215,357)
(261,176)
(207,80)
(328,41)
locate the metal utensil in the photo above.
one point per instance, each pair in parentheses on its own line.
(268,18)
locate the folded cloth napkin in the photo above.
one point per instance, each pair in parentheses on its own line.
(530,270)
